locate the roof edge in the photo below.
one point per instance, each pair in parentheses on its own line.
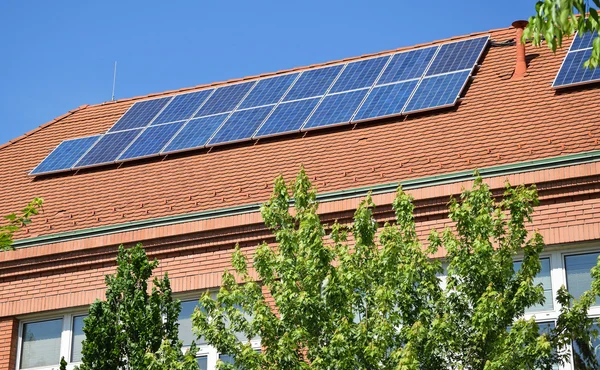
(509,169)
(41,127)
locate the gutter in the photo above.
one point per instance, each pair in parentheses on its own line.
(509,169)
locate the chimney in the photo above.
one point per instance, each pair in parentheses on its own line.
(521,66)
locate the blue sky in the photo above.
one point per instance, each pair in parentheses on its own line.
(58,55)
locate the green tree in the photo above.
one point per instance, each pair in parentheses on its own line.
(132,328)
(555,19)
(16,221)
(365,297)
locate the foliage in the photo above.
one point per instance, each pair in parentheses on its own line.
(365,297)
(16,221)
(121,331)
(63,364)
(555,19)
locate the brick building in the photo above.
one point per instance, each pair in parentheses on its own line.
(189,209)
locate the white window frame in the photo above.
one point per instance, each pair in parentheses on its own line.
(211,353)
(66,336)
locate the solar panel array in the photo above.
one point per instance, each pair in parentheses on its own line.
(572,72)
(403,83)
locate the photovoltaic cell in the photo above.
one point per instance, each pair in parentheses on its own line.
(241,125)
(438,91)
(268,91)
(360,74)
(314,82)
(457,56)
(225,99)
(182,107)
(573,72)
(151,141)
(583,41)
(386,100)
(336,109)
(287,117)
(65,155)
(407,65)
(140,114)
(108,148)
(195,133)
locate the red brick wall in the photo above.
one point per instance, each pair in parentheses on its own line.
(8,342)
(71,274)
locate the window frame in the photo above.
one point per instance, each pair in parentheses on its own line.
(211,353)
(66,336)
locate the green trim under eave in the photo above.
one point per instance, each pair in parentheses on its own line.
(508,169)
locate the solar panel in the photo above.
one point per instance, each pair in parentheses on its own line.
(241,125)
(287,117)
(225,99)
(195,133)
(360,74)
(268,91)
(572,72)
(65,155)
(385,101)
(336,109)
(402,83)
(182,107)
(314,82)
(438,92)
(583,41)
(140,114)
(407,65)
(151,141)
(457,56)
(108,148)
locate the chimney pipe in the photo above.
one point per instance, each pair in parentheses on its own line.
(521,66)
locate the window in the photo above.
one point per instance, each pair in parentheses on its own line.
(543,278)
(578,269)
(43,342)
(207,355)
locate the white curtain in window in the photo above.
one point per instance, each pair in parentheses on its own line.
(578,273)
(78,337)
(41,343)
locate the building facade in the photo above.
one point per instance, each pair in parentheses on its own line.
(190,209)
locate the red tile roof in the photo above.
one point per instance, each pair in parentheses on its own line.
(499,121)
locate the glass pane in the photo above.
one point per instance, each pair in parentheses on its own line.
(203,363)
(228,359)
(185,324)
(591,351)
(543,277)
(578,273)
(41,343)
(78,337)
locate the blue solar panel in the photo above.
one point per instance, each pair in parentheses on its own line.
(140,114)
(225,99)
(108,148)
(584,41)
(65,155)
(407,65)
(151,141)
(182,107)
(314,82)
(287,117)
(573,72)
(195,133)
(268,91)
(359,74)
(336,109)
(457,56)
(386,100)
(437,91)
(241,125)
